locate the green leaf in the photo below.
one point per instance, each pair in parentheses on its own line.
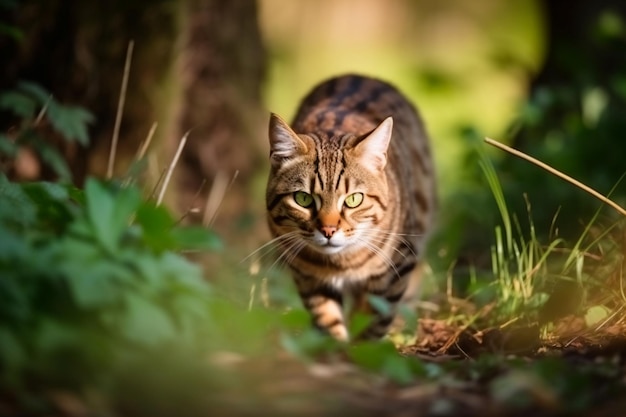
(145,322)
(16,207)
(36,91)
(196,238)
(384,358)
(12,246)
(94,285)
(71,122)
(397,369)
(156,224)
(371,355)
(358,323)
(54,210)
(379,304)
(20,104)
(52,157)
(110,214)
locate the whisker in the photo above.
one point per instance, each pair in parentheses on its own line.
(378,252)
(374,233)
(270,245)
(290,252)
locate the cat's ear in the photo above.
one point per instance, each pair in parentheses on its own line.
(284,142)
(372,150)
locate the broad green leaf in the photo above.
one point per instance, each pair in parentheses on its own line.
(196,238)
(371,355)
(358,323)
(15,206)
(20,104)
(379,304)
(36,91)
(110,213)
(145,322)
(71,122)
(53,158)
(94,285)
(398,369)
(51,199)
(296,319)
(13,247)
(126,203)
(156,224)
(100,206)
(180,274)
(308,343)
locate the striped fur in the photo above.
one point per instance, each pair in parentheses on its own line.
(351,135)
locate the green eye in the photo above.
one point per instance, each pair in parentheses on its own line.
(354,200)
(303,199)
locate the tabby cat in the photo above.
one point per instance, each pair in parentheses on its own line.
(351,198)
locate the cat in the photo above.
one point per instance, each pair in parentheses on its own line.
(351,199)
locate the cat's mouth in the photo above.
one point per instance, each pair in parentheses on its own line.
(331,245)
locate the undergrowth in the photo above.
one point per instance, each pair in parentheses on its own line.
(97,295)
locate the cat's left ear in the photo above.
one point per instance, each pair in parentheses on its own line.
(284,142)
(372,150)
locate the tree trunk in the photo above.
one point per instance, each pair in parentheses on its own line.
(221,71)
(198,66)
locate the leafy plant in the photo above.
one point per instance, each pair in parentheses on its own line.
(32,105)
(89,280)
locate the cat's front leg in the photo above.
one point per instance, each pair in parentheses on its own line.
(324,302)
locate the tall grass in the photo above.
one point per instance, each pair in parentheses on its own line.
(528,272)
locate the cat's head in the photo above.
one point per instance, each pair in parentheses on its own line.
(329,193)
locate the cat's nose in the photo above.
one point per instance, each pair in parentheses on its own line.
(328,231)
(328,223)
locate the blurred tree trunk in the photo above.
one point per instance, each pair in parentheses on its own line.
(221,71)
(197,65)
(77,49)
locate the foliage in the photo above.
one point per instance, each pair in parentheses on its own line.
(90,281)
(574,122)
(31,104)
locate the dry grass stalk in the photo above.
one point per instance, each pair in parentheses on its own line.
(215,197)
(143,148)
(558,173)
(192,208)
(170,168)
(120,110)
(42,112)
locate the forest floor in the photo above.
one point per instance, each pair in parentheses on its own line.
(481,374)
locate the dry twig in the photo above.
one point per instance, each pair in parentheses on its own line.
(170,168)
(120,110)
(558,173)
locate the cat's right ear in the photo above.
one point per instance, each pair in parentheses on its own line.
(284,142)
